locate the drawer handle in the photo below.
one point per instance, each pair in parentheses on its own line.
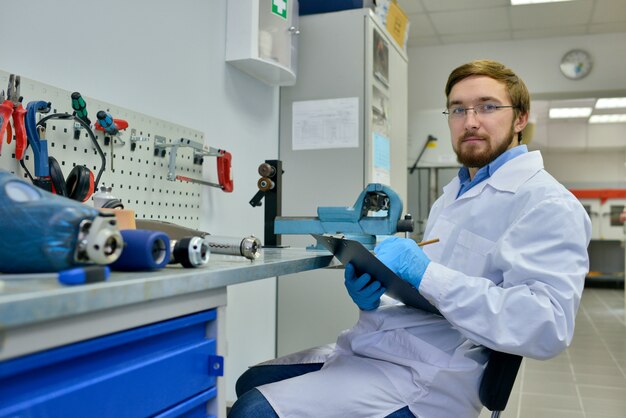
(216,366)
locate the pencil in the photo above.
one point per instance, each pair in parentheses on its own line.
(430,241)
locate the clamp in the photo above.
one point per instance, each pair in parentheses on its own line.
(377,211)
(39,145)
(12,106)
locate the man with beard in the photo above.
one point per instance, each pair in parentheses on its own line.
(507,275)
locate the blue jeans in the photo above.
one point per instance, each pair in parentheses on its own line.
(252,404)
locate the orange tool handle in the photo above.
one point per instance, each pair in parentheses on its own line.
(120,124)
(9,133)
(6,110)
(223,171)
(19,113)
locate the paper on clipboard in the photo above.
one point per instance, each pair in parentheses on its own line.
(349,251)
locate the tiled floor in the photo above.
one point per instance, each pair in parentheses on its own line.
(588,380)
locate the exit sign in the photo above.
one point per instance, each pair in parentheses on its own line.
(279,8)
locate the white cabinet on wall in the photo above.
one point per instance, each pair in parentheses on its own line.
(262,39)
(342,126)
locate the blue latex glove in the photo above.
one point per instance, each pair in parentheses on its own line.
(366,296)
(404,257)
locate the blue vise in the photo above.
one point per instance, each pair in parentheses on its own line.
(377,211)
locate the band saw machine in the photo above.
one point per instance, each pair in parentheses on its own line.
(377,211)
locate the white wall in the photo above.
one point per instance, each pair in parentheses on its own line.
(166,59)
(587,169)
(536,61)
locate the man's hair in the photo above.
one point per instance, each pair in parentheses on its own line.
(518,93)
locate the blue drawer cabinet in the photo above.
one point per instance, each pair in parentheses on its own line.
(191,408)
(166,369)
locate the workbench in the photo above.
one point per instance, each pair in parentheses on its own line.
(139,344)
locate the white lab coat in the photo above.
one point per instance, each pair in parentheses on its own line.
(507,274)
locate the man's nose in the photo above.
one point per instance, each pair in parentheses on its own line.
(471,119)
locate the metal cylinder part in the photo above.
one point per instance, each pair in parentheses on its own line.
(144,250)
(101,242)
(266,170)
(190,252)
(406,224)
(265,184)
(249,247)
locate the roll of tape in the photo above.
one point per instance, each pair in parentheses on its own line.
(143,250)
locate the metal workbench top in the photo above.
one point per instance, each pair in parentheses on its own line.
(28,301)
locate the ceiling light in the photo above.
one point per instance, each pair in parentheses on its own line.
(521,2)
(611,103)
(608,118)
(570,112)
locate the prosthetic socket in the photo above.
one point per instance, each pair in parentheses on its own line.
(43,232)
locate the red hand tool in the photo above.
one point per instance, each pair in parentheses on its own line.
(12,106)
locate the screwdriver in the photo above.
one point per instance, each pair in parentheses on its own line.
(80,107)
(106,121)
(73,276)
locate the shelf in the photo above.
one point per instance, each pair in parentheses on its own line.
(261,40)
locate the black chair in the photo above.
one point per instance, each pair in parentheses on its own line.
(497,381)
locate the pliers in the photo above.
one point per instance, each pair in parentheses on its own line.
(12,106)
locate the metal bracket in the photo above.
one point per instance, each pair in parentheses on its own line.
(134,138)
(216,365)
(199,152)
(270,188)
(160,144)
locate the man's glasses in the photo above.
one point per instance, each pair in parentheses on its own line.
(459,112)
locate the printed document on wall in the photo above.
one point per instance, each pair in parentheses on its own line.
(322,124)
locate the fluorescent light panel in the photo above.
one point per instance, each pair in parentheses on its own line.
(611,103)
(569,112)
(522,2)
(608,118)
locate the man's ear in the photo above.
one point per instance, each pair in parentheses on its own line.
(521,122)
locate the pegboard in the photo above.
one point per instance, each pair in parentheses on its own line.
(137,177)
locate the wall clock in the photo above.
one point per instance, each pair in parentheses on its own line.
(576,64)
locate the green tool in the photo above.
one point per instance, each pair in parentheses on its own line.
(80,107)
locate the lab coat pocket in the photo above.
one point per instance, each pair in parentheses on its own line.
(470,253)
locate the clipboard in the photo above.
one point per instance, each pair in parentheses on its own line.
(364,261)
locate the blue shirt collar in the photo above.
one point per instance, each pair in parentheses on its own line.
(487,171)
